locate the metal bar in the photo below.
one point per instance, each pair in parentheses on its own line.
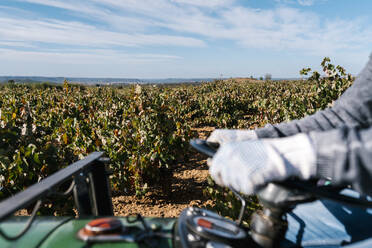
(82,195)
(100,188)
(242,208)
(44,187)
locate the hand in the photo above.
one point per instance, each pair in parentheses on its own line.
(248,165)
(223,136)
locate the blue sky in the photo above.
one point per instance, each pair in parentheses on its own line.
(181,38)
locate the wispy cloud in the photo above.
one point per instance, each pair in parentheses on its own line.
(301,2)
(306,2)
(189,23)
(203,3)
(80,34)
(115,26)
(81,6)
(82,57)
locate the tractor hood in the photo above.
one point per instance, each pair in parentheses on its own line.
(62,232)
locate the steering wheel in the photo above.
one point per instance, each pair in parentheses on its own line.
(298,188)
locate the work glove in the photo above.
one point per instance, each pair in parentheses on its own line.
(222,136)
(248,165)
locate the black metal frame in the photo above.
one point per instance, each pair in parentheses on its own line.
(91,188)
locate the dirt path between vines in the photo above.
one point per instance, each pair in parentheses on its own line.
(186,189)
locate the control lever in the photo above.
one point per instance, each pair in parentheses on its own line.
(242,209)
(210,148)
(206,147)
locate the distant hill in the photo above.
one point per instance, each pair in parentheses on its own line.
(247,79)
(102,81)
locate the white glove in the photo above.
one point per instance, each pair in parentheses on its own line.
(247,165)
(231,135)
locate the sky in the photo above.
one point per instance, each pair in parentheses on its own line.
(181,38)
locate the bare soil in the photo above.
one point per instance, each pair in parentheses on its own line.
(186,187)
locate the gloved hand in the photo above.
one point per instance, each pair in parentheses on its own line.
(222,136)
(247,165)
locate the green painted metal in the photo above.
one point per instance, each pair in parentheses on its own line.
(39,230)
(61,232)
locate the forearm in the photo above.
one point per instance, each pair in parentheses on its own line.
(345,156)
(321,121)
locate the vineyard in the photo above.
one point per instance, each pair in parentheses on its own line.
(144,130)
